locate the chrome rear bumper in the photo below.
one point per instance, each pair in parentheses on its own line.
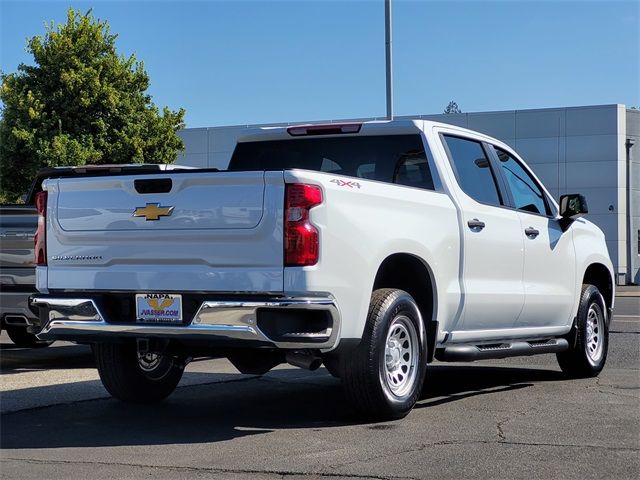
(80,319)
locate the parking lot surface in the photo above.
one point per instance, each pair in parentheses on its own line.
(515,418)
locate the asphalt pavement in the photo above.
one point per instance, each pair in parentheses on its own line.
(513,418)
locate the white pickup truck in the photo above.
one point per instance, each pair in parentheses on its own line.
(372,247)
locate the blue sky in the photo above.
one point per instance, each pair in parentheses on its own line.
(240,62)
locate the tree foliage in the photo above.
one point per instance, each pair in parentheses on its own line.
(79,103)
(452,108)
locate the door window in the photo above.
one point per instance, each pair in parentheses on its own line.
(527,194)
(473,170)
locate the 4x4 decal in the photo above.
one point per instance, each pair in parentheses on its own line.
(345,183)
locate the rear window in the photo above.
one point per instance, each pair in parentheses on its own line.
(389,158)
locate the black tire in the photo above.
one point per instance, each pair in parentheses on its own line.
(131,379)
(21,338)
(332,365)
(588,353)
(367,373)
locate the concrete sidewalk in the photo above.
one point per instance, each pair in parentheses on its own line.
(628,291)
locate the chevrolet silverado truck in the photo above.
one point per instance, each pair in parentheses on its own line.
(18,269)
(370,247)
(18,273)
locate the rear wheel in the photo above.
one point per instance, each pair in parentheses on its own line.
(136,377)
(22,338)
(384,375)
(332,365)
(588,354)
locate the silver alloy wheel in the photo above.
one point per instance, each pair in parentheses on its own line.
(155,366)
(401,356)
(148,361)
(595,332)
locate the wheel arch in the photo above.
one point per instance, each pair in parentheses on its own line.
(599,275)
(412,274)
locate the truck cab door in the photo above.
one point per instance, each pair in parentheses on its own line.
(492,254)
(549,256)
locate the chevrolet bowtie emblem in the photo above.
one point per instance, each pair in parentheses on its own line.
(153,211)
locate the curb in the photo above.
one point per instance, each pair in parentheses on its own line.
(628,294)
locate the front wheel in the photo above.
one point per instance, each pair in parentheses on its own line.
(384,375)
(136,377)
(587,356)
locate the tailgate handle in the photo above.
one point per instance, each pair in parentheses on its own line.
(154,185)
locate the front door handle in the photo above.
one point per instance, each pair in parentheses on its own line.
(475,225)
(531,232)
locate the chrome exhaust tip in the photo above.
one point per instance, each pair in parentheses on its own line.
(17,320)
(302,359)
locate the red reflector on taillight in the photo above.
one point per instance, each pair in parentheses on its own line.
(40,238)
(301,238)
(302,195)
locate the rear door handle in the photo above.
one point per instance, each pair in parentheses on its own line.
(475,225)
(531,232)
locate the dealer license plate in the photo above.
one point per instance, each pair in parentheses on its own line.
(158,308)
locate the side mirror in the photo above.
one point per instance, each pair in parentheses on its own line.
(573,206)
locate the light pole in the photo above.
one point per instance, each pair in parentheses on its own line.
(387,38)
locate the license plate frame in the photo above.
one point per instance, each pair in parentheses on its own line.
(159,308)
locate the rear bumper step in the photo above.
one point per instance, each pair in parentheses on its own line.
(308,322)
(469,353)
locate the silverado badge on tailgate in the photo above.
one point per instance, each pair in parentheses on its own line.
(158,308)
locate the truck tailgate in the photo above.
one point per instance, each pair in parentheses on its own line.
(188,231)
(17,265)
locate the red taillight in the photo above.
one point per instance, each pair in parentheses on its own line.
(301,239)
(40,240)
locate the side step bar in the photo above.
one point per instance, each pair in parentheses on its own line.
(469,353)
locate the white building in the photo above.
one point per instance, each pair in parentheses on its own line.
(593,150)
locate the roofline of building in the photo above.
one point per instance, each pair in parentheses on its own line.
(428,116)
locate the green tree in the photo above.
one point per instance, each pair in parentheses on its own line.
(80,103)
(452,108)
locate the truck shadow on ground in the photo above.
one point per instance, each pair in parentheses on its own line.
(237,406)
(19,360)
(450,383)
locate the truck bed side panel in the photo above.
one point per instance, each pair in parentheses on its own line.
(360,227)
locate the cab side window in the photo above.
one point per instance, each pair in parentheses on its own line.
(527,194)
(473,170)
